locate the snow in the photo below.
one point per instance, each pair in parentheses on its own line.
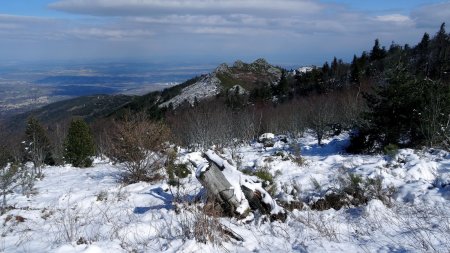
(304,70)
(89,210)
(266,136)
(207,86)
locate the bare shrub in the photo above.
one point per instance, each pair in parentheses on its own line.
(203,225)
(72,223)
(102,132)
(296,154)
(210,122)
(138,142)
(320,114)
(67,224)
(57,135)
(421,228)
(354,190)
(8,181)
(202,126)
(13,173)
(26,179)
(324,225)
(37,146)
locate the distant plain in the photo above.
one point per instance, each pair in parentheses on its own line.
(26,87)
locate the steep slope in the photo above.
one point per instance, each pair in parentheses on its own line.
(88,107)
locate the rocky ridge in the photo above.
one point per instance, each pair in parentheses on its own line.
(227,78)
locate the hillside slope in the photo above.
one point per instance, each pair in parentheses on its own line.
(224,78)
(87,107)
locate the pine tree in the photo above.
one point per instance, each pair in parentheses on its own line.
(79,144)
(393,115)
(334,67)
(326,68)
(355,70)
(440,54)
(423,55)
(424,43)
(377,53)
(282,88)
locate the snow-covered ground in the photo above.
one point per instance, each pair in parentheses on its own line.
(88,210)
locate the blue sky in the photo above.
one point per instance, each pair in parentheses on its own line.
(210,31)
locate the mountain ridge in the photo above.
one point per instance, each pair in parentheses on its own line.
(224,78)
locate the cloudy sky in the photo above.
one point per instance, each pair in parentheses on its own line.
(210,31)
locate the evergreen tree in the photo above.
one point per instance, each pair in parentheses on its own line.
(393,111)
(326,71)
(422,47)
(405,111)
(423,55)
(440,54)
(282,88)
(406,47)
(263,92)
(334,67)
(377,53)
(79,144)
(394,48)
(355,70)
(325,68)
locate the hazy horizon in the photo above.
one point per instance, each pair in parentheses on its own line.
(286,32)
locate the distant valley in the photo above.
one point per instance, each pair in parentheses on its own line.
(29,87)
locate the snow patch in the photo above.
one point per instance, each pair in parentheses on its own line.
(207,86)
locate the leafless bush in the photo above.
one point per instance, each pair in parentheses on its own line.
(202,126)
(213,123)
(203,225)
(70,223)
(26,179)
(14,174)
(322,224)
(427,228)
(320,114)
(8,181)
(57,135)
(138,142)
(353,190)
(420,227)
(102,130)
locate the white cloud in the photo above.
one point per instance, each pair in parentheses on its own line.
(183,19)
(395,18)
(107,33)
(432,15)
(225,28)
(210,30)
(157,7)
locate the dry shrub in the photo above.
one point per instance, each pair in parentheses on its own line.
(138,144)
(203,225)
(355,191)
(325,226)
